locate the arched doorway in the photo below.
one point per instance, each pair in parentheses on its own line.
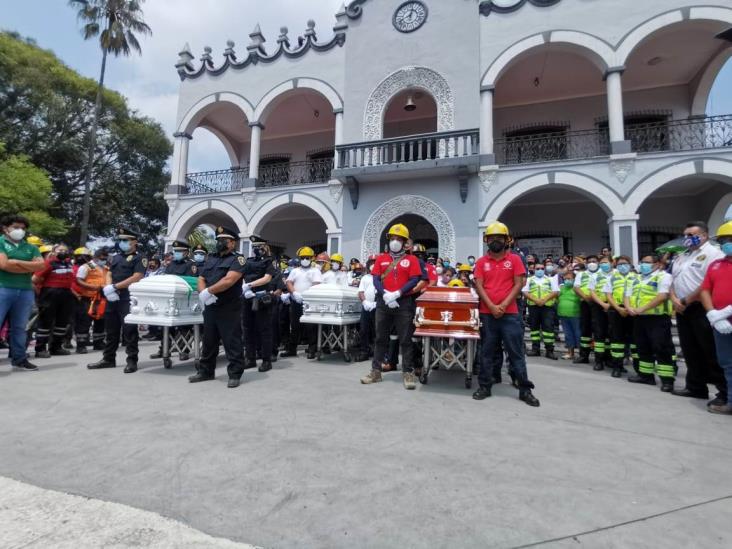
(411,111)
(207,216)
(291,226)
(420,230)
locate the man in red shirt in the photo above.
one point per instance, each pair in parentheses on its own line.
(395,275)
(499,277)
(716,296)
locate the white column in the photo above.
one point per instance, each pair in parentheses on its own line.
(616,122)
(179,165)
(486,121)
(623,231)
(254,149)
(338,134)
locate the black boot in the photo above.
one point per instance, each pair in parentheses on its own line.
(533,352)
(549,353)
(101,364)
(200,376)
(645,379)
(266,366)
(599,366)
(582,359)
(528,397)
(233,383)
(667,385)
(60,351)
(131,367)
(81,349)
(617,372)
(482,393)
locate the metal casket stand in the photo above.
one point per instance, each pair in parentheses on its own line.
(448,322)
(171,302)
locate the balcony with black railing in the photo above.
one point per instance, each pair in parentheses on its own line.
(282,174)
(219,181)
(551,147)
(710,132)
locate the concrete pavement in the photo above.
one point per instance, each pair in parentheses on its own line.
(304,456)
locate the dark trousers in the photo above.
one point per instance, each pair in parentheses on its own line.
(83,322)
(541,324)
(367,330)
(402,320)
(655,346)
(114,325)
(222,322)
(298,330)
(275,325)
(56,307)
(599,332)
(507,333)
(585,329)
(257,329)
(620,332)
(284,325)
(697,343)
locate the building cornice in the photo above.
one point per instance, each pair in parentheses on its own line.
(489,6)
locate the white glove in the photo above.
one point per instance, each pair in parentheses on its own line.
(723,326)
(110,293)
(207,298)
(297,296)
(393,304)
(715,315)
(248,294)
(245,288)
(391,296)
(285,298)
(368,306)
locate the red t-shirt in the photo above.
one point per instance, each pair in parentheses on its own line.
(431,273)
(407,267)
(719,282)
(496,277)
(57,274)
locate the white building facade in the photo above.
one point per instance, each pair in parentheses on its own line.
(579,123)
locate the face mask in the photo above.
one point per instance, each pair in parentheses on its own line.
(592,267)
(124,246)
(62,256)
(222,246)
(395,246)
(199,257)
(539,273)
(17,234)
(623,269)
(305,263)
(646,268)
(258,252)
(605,267)
(496,246)
(569,283)
(439,270)
(471,261)
(692,241)
(178,256)
(727,249)
(101,262)
(335,266)
(446,264)
(549,269)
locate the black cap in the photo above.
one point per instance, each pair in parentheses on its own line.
(181,245)
(124,232)
(200,247)
(254,239)
(226,232)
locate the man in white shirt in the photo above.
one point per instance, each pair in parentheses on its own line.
(299,280)
(367,295)
(336,275)
(695,332)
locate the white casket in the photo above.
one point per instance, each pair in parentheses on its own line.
(331,304)
(164,300)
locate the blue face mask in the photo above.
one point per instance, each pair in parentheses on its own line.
(471,261)
(692,241)
(623,269)
(446,264)
(727,249)
(539,273)
(646,268)
(549,269)
(178,256)
(101,262)
(199,257)
(124,245)
(605,267)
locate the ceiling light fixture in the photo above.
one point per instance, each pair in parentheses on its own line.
(410,106)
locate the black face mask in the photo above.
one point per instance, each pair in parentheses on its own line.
(496,246)
(222,246)
(258,252)
(62,256)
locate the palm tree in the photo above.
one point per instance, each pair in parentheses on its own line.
(116,22)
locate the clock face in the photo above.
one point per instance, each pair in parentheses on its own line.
(410,16)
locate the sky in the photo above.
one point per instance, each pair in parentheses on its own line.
(150,82)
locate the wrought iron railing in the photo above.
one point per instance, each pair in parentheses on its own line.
(219,181)
(295,173)
(549,147)
(413,148)
(709,132)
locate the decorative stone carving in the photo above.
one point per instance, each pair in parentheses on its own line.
(409,77)
(507,6)
(488,178)
(250,197)
(622,165)
(409,204)
(336,190)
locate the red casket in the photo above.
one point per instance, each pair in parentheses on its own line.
(447,312)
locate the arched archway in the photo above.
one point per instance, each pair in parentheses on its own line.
(404,205)
(276,94)
(212,213)
(420,230)
(412,111)
(289,226)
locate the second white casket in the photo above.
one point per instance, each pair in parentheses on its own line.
(331,304)
(164,300)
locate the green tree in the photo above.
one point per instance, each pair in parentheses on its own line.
(26,189)
(115,22)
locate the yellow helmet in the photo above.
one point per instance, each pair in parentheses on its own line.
(496,227)
(82,251)
(456,284)
(45,248)
(419,249)
(305,251)
(399,230)
(465,268)
(338,258)
(725,230)
(34,241)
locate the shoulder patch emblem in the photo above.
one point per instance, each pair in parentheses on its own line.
(241,260)
(130,257)
(702,257)
(144,262)
(404,263)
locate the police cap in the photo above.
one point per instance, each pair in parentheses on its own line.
(226,232)
(181,245)
(257,240)
(126,233)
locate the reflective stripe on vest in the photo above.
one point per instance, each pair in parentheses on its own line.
(619,284)
(645,291)
(541,288)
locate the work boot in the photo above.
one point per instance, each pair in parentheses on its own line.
(131,367)
(617,372)
(667,385)
(599,365)
(645,379)
(374,376)
(25,365)
(720,409)
(200,376)
(266,366)
(60,351)
(101,364)
(43,353)
(482,393)
(528,397)
(233,383)
(81,350)
(409,380)
(549,353)
(533,352)
(581,360)
(689,394)
(717,401)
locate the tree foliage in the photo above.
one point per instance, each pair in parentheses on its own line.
(46,110)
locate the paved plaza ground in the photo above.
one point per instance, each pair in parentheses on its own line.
(304,456)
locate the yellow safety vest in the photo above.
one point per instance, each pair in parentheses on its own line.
(600,280)
(619,284)
(585,282)
(541,288)
(645,291)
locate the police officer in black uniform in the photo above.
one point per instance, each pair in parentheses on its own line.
(199,256)
(257,304)
(125,268)
(219,290)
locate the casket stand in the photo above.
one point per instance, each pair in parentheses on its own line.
(171,302)
(336,310)
(448,322)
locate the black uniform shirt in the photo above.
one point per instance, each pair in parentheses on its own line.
(254,269)
(182,268)
(217,267)
(123,266)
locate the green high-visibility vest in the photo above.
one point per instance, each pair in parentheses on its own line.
(619,284)
(600,281)
(584,282)
(540,288)
(645,291)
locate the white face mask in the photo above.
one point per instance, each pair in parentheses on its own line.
(592,267)
(335,266)
(17,234)
(305,263)
(395,246)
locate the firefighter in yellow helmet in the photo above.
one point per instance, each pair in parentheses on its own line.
(300,279)
(395,274)
(499,277)
(337,273)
